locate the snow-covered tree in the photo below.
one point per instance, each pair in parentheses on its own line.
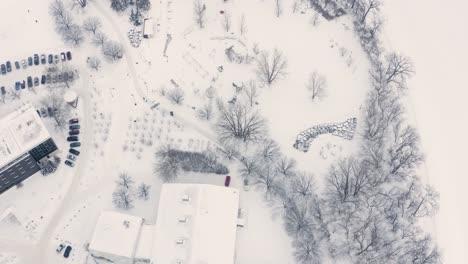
(143,191)
(270,68)
(92,24)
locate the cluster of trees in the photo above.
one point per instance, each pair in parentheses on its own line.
(49,166)
(271,67)
(169,163)
(137,8)
(374,202)
(70,32)
(60,111)
(125,190)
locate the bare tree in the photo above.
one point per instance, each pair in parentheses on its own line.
(306,249)
(64,23)
(278,8)
(199,12)
(60,110)
(176,95)
(404,152)
(94,63)
(286,167)
(269,150)
(226,22)
(303,185)
(248,166)
(266,179)
(99,39)
(251,92)
(80,3)
(74,36)
(143,191)
(317,85)
(298,220)
(399,68)
(229,150)
(56,8)
(125,181)
(122,198)
(370,6)
(269,68)
(239,122)
(242,25)
(92,24)
(347,180)
(205,112)
(112,50)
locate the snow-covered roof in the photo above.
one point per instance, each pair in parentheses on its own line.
(148,26)
(20,131)
(145,243)
(196,224)
(116,234)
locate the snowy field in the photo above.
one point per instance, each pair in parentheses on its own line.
(121,130)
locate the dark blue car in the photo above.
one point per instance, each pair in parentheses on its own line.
(66,254)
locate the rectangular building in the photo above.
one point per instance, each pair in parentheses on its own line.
(24,141)
(196,223)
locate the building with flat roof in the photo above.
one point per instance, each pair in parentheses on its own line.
(148,28)
(196,223)
(24,141)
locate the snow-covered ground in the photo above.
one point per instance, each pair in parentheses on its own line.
(434,35)
(120,133)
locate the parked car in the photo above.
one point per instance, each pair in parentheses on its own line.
(74,132)
(60,248)
(3,69)
(74,152)
(71,157)
(54,78)
(66,254)
(43,112)
(62,56)
(70,164)
(30,61)
(24,63)
(73,127)
(73,121)
(72,139)
(17,65)
(227,181)
(69,55)
(2,90)
(48,78)
(75,144)
(17,86)
(43,79)
(23,84)
(43,59)
(50,111)
(56,58)
(36,59)
(36,81)
(60,77)
(8,66)
(51,58)
(30,82)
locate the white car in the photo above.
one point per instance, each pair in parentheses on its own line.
(71,157)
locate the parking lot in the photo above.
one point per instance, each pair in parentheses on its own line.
(29,73)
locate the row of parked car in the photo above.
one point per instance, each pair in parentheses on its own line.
(36,60)
(54,78)
(74,141)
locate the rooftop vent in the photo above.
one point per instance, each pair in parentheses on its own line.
(180,242)
(182,219)
(126,223)
(185,198)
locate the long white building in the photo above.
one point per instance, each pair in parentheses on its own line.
(196,224)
